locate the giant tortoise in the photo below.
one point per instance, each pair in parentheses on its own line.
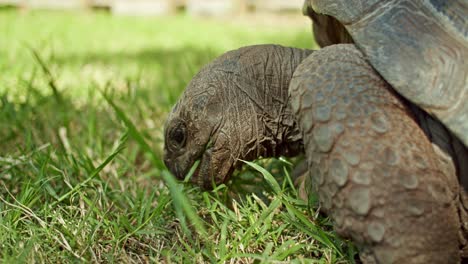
(382,122)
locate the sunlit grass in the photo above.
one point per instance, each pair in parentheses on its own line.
(81,143)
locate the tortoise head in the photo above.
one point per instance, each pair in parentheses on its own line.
(192,130)
(235,108)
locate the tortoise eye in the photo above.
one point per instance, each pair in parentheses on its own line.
(178,135)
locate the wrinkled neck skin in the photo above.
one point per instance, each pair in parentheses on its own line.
(241,101)
(259,118)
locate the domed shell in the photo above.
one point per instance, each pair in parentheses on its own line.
(419,47)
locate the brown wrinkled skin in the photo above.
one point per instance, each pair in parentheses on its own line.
(389,176)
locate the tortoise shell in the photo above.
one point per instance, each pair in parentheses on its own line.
(419,47)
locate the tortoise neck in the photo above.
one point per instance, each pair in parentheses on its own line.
(277,133)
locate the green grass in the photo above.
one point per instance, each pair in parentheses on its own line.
(83,98)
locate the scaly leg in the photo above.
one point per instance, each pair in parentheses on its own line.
(374,169)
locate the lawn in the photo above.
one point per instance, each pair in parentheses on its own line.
(83,100)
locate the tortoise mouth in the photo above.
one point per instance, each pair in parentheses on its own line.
(202,176)
(212,166)
(210,171)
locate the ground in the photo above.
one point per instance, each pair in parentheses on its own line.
(83,98)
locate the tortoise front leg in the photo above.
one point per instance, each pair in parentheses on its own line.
(374,169)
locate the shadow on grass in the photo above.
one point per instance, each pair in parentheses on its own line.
(38,117)
(155,75)
(149,55)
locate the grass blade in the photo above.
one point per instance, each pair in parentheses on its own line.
(96,171)
(48,73)
(181,202)
(268,177)
(305,224)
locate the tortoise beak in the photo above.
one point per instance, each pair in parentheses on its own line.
(182,167)
(174,168)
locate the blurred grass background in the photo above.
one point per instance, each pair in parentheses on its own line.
(73,188)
